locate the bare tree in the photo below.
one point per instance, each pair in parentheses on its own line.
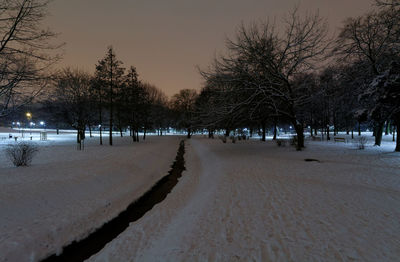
(373,38)
(183,105)
(266,63)
(154,109)
(72,98)
(26,52)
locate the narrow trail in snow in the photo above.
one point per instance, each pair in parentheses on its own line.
(85,248)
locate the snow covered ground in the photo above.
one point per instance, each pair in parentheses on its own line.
(67,193)
(254,201)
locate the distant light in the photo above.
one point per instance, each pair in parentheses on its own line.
(290,127)
(32,124)
(42,123)
(99,126)
(13,123)
(18,123)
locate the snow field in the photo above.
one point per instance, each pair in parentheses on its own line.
(254,201)
(66,193)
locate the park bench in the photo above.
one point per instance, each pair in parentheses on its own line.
(339,139)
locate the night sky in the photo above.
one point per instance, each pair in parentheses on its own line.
(166,39)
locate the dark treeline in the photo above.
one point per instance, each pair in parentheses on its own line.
(298,76)
(113,99)
(268,77)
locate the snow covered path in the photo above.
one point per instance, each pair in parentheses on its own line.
(66,193)
(253,201)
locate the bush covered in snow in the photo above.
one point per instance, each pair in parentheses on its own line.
(21,154)
(361,142)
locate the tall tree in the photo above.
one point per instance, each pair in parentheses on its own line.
(266,62)
(109,70)
(374,39)
(133,98)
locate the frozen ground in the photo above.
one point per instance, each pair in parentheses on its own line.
(254,201)
(67,193)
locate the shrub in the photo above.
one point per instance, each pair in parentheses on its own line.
(21,154)
(361,142)
(280,142)
(233,138)
(223,139)
(293,141)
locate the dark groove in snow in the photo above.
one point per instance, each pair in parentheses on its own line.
(92,244)
(311,160)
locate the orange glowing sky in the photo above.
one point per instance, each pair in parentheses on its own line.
(166,39)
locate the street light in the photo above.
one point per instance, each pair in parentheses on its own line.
(28,116)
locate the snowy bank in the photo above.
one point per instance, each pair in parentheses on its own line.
(66,193)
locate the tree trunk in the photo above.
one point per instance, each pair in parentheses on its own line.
(210,133)
(335,129)
(264,127)
(359,128)
(137,135)
(275,129)
(79,137)
(101,124)
(111,127)
(144,134)
(387,127)
(134,135)
(90,130)
(328,137)
(394,132)
(58,131)
(101,135)
(397,123)
(378,133)
(227,131)
(300,135)
(189,135)
(352,134)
